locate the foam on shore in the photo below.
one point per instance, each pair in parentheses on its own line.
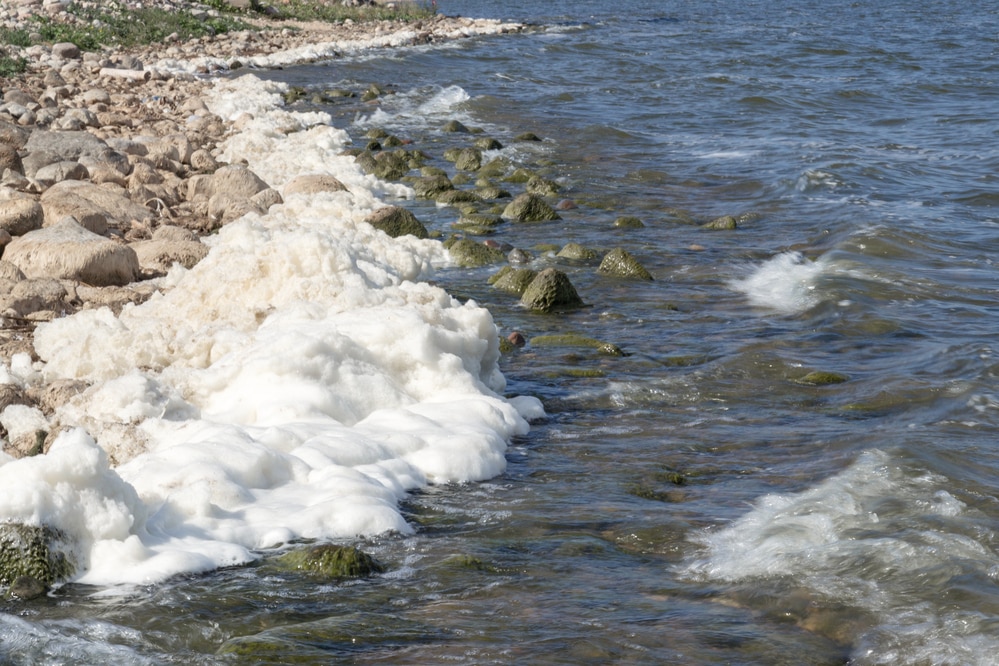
(296,383)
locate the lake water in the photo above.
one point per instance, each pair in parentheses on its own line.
(704,498)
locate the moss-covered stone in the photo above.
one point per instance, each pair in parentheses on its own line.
(494,168)
(529,208)
(397,221)
(723,223)
(294,94)
(429,187)
(823,378)
(469,159)
(431,171)
(551,291)
(454,126)
(330,561)
(479,220)
(620,263)
(527,136)
(573,340)
(470,254)
(576,252)
(376,133)
(542,186)
(628,222)
(487,143)
(493,192)
(451,197)
(516,280)
(451,154)
(42,553)
(392,166)
(520,175)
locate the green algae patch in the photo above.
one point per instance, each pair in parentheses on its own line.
(38,552)
(573,340)
(330,561)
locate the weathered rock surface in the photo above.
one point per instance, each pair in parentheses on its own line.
(620,263)
(529,208)
(551,291)
(397,221)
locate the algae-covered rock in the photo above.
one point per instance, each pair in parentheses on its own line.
(494,168)
(529,208)
(470,254)
(551,291)
(397,221)
(428,187)
(628,222)
(490,192)
(822,378)
(477,223)
(449,197)
(573,340)
(576,252)
(520,175)
(487,143)
(468,159)
(41,552)
(527,136)
(619,263)
(391,166)
(542,186)
(723,223)
(330,561)
(516,280)
(454,126)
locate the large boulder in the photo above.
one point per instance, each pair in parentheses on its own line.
(529,208)
(95,207)
(69,251)
(313,184)
(551,291)
(159,255)
(33,295)
(329,561)
(47,147)
(234,180)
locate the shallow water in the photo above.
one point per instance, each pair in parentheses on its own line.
(852,522)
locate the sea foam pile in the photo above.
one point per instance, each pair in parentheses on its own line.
(296,383)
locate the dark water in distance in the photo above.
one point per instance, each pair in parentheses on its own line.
(851,522)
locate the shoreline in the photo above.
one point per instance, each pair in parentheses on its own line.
(142,180)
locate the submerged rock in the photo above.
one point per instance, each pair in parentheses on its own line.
(574,340)
(331,561)
(619,263)
(576,252)
(470,254)
(823,378)
(551,291)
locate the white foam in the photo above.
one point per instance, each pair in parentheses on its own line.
(293,384)
(785,283)
(874,538)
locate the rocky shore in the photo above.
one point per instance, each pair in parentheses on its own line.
(110,171)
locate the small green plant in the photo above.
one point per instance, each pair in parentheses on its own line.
(334,12)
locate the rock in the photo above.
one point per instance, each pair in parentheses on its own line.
(542,186)
(65,51)
(30,550)
(470,254)
(95,207)
(429,187)
(391,166)
(12,135)
(529,208)
(468,159)
(160,255)
(68,251)
(451,197)
(26,588)
(619,263)
(515,281)
(46,147)
(397,221)
(486,143)
(224,207)
(527,136)
(33,295)
(330,562)
(551,291)
(202,160)
(20,214)
(312,184)
(264,199)
(573,340)
(576,252)
(9,159)
(237,181)
(628,222)
(724,223)
(5,239)
(64,170)
(454,126)
(823,378)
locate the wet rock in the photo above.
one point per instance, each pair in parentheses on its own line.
(527,136)
(454,126)
(451,197)
(69,251)
(520,175)
(26,588)
(573,340)
(628,222)
(576,252)
(468,253)
(468,159)
(330,562)
(551,291)
(823,378)
(397,221)
(620,263)
(723,223)
(39,552)
(429,187)
(486,143)
(529,208)
(391,166)
(542,186)
(515,280)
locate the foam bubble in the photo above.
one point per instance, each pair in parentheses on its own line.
(785,283)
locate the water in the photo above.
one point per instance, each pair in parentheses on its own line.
(851,522)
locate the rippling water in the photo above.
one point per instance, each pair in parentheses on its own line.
(701,500)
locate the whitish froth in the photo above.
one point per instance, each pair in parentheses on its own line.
(294,384)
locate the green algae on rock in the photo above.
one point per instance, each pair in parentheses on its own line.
(551,291)
(628,222)
(529,208)
(822,378)
(330,561)
(515,280)
(620,263)
(41,552)
(397,221)
(576,252)
(574,340)
(470,254)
